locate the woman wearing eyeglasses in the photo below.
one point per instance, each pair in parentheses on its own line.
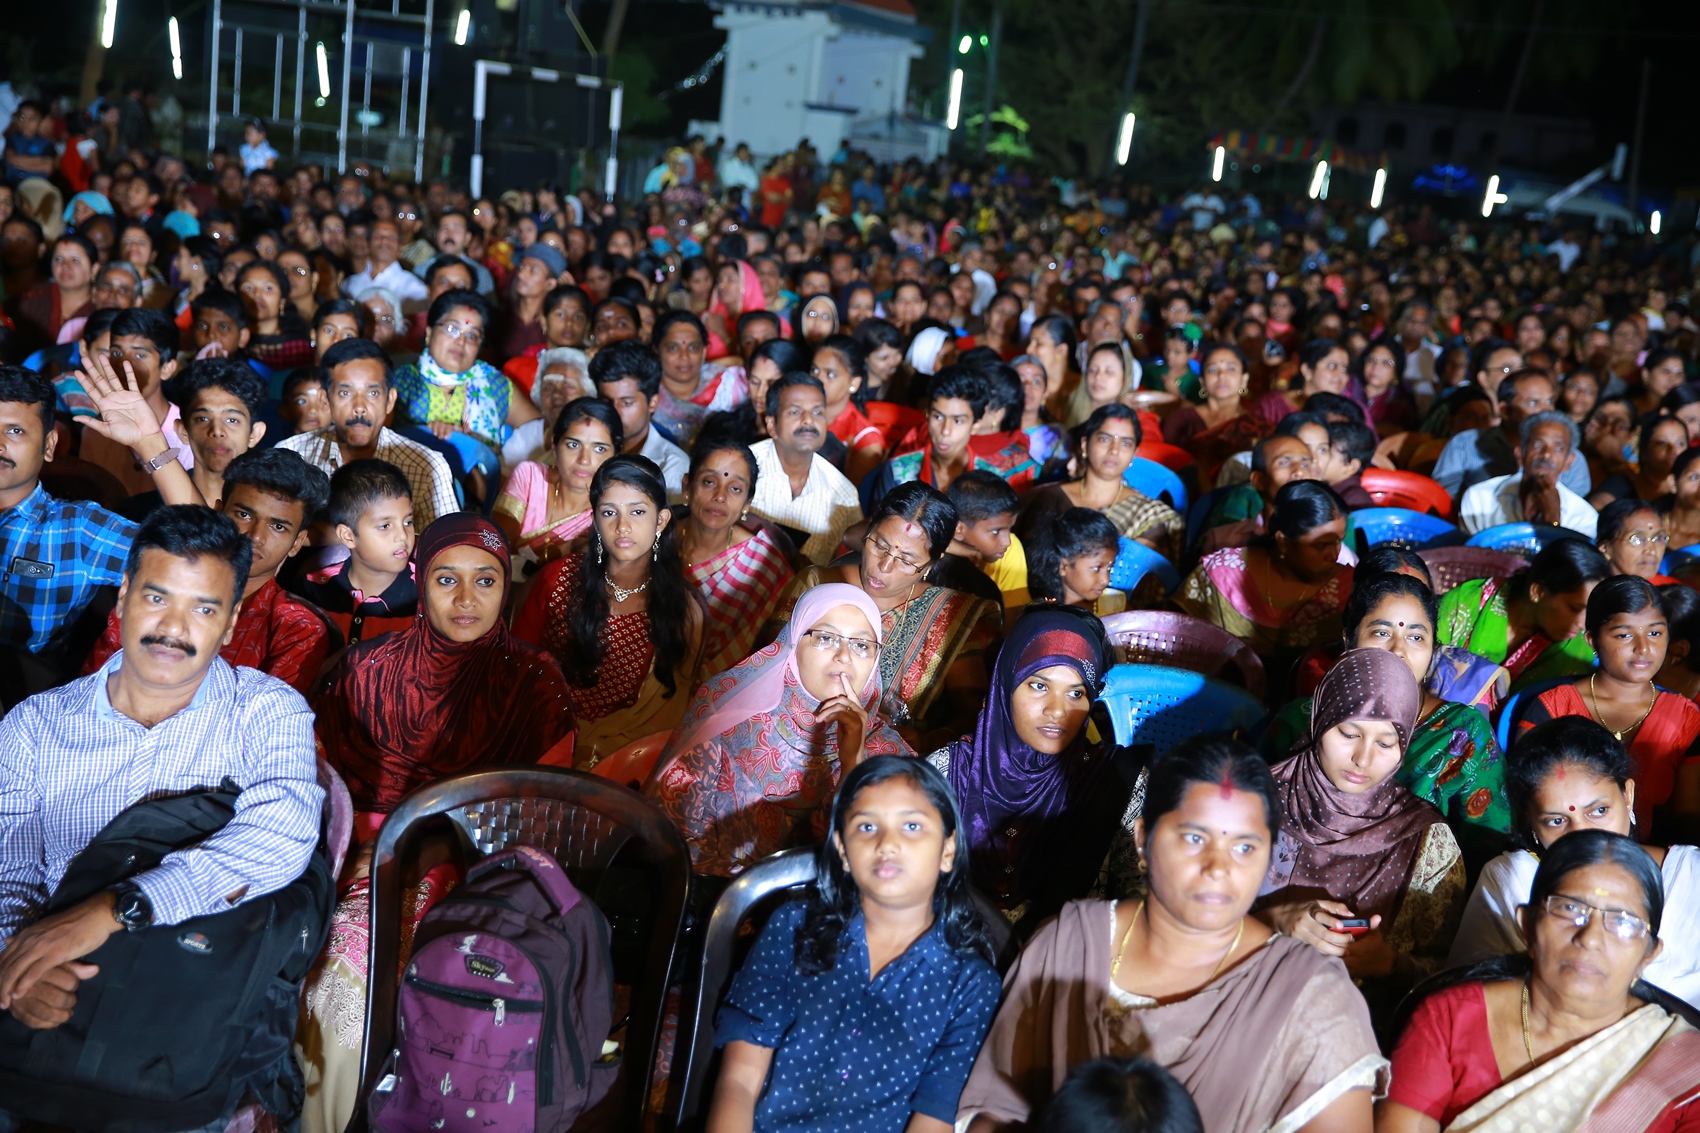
(752,767)
(1629,631)
(464,408)
(1631,535)
(1569,1035)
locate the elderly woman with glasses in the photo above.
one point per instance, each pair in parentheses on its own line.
(464,408)
(1631,535)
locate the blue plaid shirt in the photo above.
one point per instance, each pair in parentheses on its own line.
(69,762)
(55,555)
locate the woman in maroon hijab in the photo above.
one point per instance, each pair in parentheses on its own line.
(452,692)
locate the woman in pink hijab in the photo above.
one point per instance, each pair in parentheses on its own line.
(752,767)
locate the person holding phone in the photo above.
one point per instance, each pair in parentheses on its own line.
(1364,869)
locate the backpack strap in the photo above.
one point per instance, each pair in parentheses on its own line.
(545,870)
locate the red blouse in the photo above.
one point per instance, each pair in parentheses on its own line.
(627,653)
(1658,749)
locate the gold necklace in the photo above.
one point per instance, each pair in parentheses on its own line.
(1128,935)
(1528,1047)
(1594,699)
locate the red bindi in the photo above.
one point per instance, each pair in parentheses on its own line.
(1572,810)
(1227,787)
(1558,773)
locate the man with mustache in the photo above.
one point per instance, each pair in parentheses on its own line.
(796,487)
(164,715)
(55,555)
(1534,494)
(272,495)
(359,380)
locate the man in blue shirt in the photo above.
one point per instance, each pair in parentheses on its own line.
(55,554)
(1482,454)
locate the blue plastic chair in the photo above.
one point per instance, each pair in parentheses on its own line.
(1152,479)
(1134,561)
(1402,527)
(1154,704)
(1516,705)
(1680,559)
(1200,511)
(1521,538)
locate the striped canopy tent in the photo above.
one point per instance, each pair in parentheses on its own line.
(1298,149)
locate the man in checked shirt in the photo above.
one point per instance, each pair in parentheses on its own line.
(165,715)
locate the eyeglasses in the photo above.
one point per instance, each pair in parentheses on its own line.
(1624,926)
(1641,539)
(883,551)
(828,642)
(455,330)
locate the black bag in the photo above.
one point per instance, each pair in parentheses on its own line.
(182,1021)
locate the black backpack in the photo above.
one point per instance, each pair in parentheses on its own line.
(182,1021)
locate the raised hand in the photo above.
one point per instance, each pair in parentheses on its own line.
(125,415)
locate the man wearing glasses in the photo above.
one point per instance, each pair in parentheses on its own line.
(1483,454)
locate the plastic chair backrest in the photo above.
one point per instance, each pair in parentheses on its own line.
(1523,539)
(1516,706)
(1161,705)
(1454,566)
(1199,512)
(753,895)
(585,823)
(1403,527)
(1394,488)
(1135,560)
(1678,560)
(892,420)
(1172,457)
(1159,637)
(632,764)
(1152,479)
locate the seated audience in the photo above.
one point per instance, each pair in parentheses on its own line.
(691,388)
(887,962)
(956,399)
(144,344)
(1364,870)
(1351,444)
(279,337)
(985,511)
(761,748)
(1285,592)
(1105,445)
(1681,509)
(1534,493)
(1049,812)
(272,495)
(545,507)
(798,489)
(302,403)
(1531,622)
(1628,629)
(1071,554)
(165,715)
(628,374)
(1681,672)
(1263,1030)
(1451,759)
(1599,1049)
(1474,455)
(842,368)
(563,373)
(621,617)
(1662,440)
(1241,513)
(1324,367)
(359,381)
(219,401)
(739,566)
(1572,775)
(1631,535)
(373,591)
(1222,425)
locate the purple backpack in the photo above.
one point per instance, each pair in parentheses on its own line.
(503,1009)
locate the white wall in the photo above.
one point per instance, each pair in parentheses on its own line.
(772,67)
(866,71)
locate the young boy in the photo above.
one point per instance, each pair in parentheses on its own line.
(372,591)
(219,399)
(29,152)
(257,152)
(1351,446)
(304,406)
(978,561)
(220,324)
(958,400)
(144,342)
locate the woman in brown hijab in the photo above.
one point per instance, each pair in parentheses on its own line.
(1265,1032)
(1364,869)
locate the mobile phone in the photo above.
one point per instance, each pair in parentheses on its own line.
(1353,926)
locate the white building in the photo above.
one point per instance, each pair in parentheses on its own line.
(825,70)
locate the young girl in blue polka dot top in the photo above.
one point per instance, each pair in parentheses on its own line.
(861,1009)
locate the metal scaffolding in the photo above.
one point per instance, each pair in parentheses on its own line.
(389,46)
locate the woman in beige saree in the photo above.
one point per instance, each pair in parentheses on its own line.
(1266,1033)
(1566,1037)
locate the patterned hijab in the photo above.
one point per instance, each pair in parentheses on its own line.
(1358,849)
(413,706)
(1011,794)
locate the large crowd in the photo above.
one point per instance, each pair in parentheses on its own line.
(820,500)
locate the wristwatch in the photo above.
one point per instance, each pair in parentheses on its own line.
(131,907)
(160,461)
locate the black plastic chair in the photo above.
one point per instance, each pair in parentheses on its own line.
(586,824)
(752,895)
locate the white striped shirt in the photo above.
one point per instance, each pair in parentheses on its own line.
(70,762)
(827,506)
(428,473)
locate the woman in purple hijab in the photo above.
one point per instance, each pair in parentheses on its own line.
(1044,799)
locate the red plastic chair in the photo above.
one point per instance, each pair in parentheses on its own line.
(1454,566)
(561,755)
(632,764)
(1156,637)
(1390,488)
(893,420)
(1169,456)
